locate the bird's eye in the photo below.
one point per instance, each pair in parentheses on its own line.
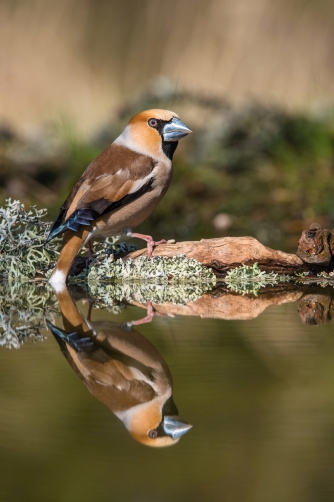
(152,122)
(153,434)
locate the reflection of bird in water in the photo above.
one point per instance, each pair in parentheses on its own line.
(124,371)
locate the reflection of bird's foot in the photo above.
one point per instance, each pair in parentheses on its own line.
(148,318)
(75,341)
(90,307)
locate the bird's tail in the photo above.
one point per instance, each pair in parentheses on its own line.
(77,342)
(78,218)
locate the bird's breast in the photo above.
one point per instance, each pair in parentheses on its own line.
(135,212)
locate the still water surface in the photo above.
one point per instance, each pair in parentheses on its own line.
(259,393)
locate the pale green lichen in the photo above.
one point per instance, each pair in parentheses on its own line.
(112,295)
(250,279)
(109,248)
(23,310)
(23,254)
(161,269)
(158,279)
(22,238)
(322,279)
(22,244)
(325,279)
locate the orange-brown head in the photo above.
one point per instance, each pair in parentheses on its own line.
(149,424)
(154,133)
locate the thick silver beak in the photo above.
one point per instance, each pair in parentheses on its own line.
(175,130)
(175,427)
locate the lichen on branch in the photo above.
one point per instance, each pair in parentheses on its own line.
(22,238)
(250,279)
(160,269)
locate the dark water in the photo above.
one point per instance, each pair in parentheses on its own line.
(259,393)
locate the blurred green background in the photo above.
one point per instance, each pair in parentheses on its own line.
(252,78)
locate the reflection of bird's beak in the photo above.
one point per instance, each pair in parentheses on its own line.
(175,130)
(175,427)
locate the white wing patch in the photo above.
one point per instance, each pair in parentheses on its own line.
(140,183)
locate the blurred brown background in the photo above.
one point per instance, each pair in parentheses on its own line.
(252,78)
(84,57)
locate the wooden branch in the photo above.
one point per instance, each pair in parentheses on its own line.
(225,253)
(316,246)
(315,254)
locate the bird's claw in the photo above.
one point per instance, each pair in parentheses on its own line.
(152,244)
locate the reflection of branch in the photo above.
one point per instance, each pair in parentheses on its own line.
(109,295)
(316,309)
(198,300)
(229,306)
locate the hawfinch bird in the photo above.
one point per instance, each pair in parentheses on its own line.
(124,371)
(120,188)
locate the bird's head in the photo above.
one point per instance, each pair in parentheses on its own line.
(156,424)
(154,133)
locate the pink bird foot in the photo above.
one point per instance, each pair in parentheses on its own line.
(151,244)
